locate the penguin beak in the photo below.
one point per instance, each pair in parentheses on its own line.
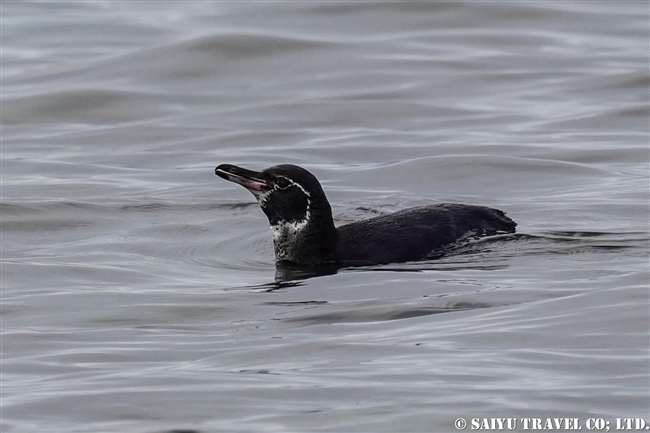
(249,179)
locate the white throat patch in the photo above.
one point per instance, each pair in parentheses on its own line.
(261,196)
(286,235)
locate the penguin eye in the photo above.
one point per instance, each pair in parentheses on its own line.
(282,182)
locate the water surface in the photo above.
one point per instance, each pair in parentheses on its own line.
(140,293)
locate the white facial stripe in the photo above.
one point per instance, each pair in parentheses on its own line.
(262,197)
(287,234)
(296,184)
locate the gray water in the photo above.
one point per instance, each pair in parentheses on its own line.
(140,293)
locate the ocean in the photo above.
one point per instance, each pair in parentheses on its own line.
(140,291)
